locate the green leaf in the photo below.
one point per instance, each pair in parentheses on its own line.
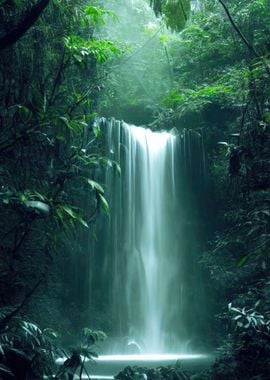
(74,213)
(5,370)
(244,260)
(51,333)
(101,335)
(104,204)
(82,221)
(176,12)
(97,15)
(41,206)
(117,168)
(60,138)
(95,186)
(100,50)
(65,121)
(237,317)
(96,130)
(69,211)
(31,328)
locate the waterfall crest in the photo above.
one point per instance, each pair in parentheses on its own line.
(145,248)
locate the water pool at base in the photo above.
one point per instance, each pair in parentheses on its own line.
(107,366)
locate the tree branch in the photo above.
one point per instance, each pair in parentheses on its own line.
(19,30)
(239,32)
(183,11)
(63,65)
(4,321)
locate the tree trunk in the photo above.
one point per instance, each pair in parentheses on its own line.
(29,19)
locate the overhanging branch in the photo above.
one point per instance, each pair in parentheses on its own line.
(239,32)
(29,19)
(8,317)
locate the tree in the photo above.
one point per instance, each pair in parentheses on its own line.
(24,25)
(49,146)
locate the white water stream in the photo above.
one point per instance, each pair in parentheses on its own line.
(147,252)
(151,265)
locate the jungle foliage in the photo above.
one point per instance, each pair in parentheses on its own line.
(176,12)
(49,151)
(173,372)
(221,88)
(28,352)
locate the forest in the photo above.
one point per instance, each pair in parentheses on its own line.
(135,189)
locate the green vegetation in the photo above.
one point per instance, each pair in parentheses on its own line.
(29,352)
(62,63)
(176,12)
(139,373)
(49,149)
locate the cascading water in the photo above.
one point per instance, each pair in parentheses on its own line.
(151,261)
(146,246)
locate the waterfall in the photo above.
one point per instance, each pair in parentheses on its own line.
(147,269)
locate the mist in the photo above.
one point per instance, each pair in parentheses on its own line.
(137,82)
